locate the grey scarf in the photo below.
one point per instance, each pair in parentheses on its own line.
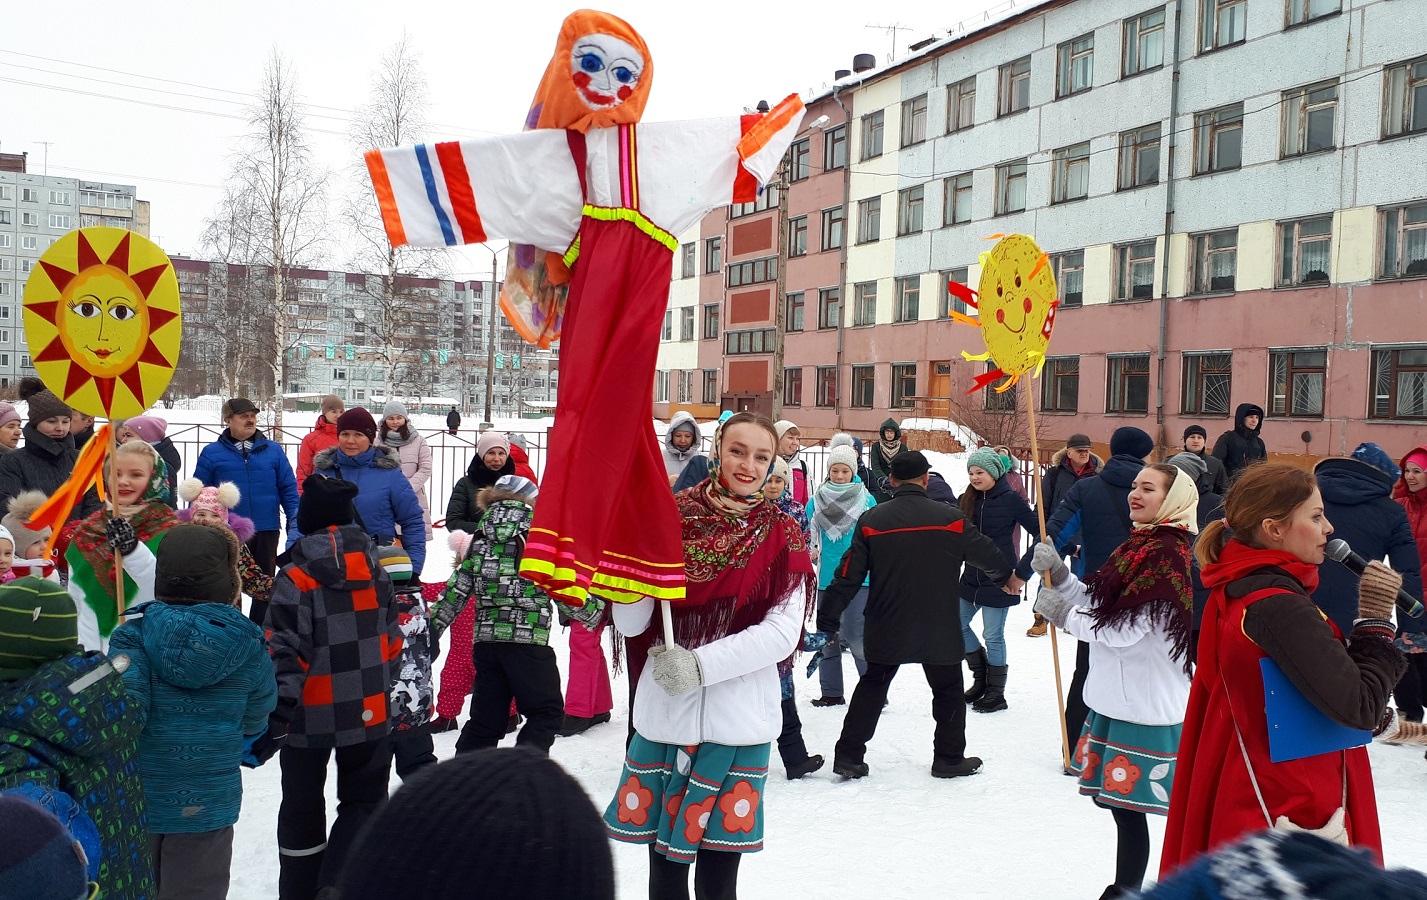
(837,507)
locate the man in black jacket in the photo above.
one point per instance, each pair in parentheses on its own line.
(1215,480)
(912,547)
(1067,468)
(453,420)
(1242,446)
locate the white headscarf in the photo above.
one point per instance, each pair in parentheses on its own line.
(1181,504)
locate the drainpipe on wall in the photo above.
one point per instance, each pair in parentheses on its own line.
(1168,232)
(842,252)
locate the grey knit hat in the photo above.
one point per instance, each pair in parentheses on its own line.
(395,408)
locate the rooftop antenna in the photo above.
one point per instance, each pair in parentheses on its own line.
(891,30)
(47,155)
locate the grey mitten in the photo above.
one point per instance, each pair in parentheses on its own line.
(1048,563)
(1054,607)
(676,669)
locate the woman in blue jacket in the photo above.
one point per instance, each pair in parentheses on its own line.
(993,506)
(384,499)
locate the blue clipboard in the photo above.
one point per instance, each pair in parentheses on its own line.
(1296,728)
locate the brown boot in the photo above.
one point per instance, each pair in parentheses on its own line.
(1038,629)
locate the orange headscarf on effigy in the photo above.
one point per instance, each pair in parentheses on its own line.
(598,77)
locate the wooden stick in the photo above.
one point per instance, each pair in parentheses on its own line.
(1045,577)
(667,611)
(118,557)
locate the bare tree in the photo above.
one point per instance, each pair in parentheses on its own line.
(393,115)
(271,216)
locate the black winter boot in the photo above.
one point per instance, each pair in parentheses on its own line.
(977,662)
(994,700)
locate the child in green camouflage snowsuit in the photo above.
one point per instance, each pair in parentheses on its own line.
(512,651)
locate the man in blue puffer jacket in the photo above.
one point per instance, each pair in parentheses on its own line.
(1095,514)
(199,672)
(259,467)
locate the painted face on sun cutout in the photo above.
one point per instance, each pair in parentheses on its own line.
(1016,299)
(102,322)
(605,70)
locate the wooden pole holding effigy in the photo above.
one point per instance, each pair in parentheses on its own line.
(1054,642)
(119,557)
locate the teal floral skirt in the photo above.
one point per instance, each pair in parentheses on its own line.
(683,798)
(1127,765)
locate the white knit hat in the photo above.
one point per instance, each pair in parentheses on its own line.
(845,455)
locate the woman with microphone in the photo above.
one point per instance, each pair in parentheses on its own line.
(1282,702)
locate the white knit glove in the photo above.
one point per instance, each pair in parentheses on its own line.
(676,669)
(1054,607)
(1045,560)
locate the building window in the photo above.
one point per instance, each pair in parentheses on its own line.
(686,386)
(661,386)
(30,219)
(1216,262)
(1297,381)
(5,217)
(909,293)
(1404,241)
(1144,43)
(4,288)
(994,401)
(904,385)
(961,105)
(1134,271)
(1070,173)
(826,387)
(793,312)
(864,386)
(869,220)
(1304,250)
(6,192)
(829,307)
(800,160)
(710,321)
(713,255)
(832,228)
(956,200)
(1076,65)
(686,323)
(909,209)
(793,386)
(59,221)
(835,148)
(1207,383)
(753,271)
(339,374)
(1300,11)
(1128,390)
(1015,87)
(798,236)
(1218,139)
(4,241)
(947,302)
(667,332)
(1060,384)
(1399,383)
(1011,187)
(1308,117)
(756,340)
(1139,157)
(687,261)
(1405,98)
(864,303)
(27,242)
(767,199)
(1221,23)
(1069,269)
(61,198)
(29,195)
(914,120)
(872,128)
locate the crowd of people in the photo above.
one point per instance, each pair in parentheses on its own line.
(131,695)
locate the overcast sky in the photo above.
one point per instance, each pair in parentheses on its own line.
(482,61)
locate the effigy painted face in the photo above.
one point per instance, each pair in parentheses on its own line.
(605,69)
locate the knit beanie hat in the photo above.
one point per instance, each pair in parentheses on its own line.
(989,460)
(845,455)
(781,470)
(1131,441)
(358,419)
(7,414)
(395,408)
(518,440)
(397,563)
(331,402)
(842,439)
(1375,456)
(215,500)
(489,440)
(17,516)
(37,624)
(197,565)
(325,502)
(1192,464)
(39,858)
(509,820)
(43,403)
(1195,429)
(783,426)
(519,485)
(149,428)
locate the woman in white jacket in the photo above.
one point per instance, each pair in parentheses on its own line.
(397,432)
(707,708)
(1135,612)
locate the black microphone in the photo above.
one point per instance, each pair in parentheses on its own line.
(1339,551)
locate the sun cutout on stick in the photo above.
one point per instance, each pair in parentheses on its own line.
(1016,304)
(103,322)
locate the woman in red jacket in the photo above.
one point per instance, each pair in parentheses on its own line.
(322,436)
(1259,610)
(1411,492)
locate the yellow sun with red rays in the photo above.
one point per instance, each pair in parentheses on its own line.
(103,322)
